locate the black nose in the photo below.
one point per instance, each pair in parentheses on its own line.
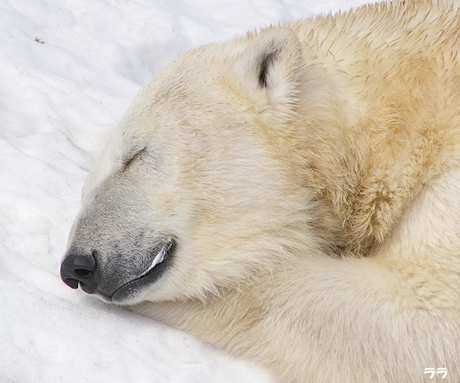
(80,269)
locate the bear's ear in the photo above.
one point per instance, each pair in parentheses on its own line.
(268,69)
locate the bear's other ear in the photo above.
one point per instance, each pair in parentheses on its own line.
(267,70)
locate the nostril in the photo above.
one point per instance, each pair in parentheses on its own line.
(83,273)
(84,263)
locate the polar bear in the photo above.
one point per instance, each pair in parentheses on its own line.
(293,196)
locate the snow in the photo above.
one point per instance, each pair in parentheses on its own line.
(68,70)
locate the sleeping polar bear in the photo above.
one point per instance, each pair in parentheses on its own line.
(293,196)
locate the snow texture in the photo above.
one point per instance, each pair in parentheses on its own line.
(68,70)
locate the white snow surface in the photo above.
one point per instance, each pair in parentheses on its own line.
(68,70)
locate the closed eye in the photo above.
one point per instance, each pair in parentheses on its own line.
(134,155)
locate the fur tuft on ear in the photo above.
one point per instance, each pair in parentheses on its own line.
(268,68)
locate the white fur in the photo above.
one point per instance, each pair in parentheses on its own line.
(315,200)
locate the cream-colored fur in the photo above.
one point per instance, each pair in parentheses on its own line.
(310,173)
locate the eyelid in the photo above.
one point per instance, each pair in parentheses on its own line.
(136,154)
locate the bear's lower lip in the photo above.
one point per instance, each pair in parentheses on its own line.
(148,277)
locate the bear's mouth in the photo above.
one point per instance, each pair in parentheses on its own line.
(161,260)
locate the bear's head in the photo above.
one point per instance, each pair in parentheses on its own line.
(196,191)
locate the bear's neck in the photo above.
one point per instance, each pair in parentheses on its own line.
(276,321)
(366,154)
